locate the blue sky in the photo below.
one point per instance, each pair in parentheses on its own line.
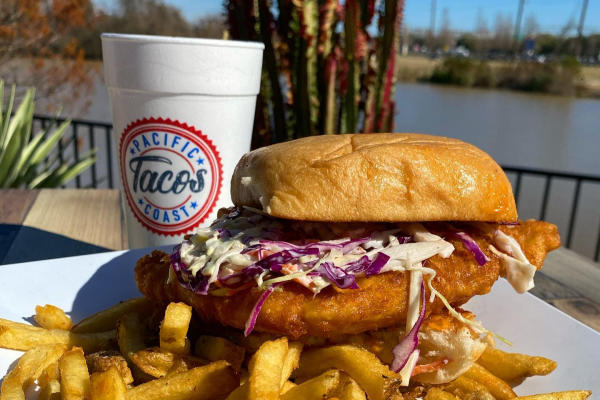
(551,15)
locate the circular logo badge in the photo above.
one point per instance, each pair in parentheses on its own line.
(172,174)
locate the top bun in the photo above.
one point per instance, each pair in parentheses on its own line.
(388,177)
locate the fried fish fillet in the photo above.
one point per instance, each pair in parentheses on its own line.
(380,301)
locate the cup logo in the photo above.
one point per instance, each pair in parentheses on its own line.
(172,174)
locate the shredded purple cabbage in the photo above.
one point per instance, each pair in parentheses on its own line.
(377,264)
(275,261)
(359,266)
(473,247)
(337,276)
(405,348)
(344,247)
(197,284)
(223,233)
(343,277)
(248,273)
(256,309)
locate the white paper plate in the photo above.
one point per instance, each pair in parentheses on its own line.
(86,284)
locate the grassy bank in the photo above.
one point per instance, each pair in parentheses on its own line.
(500,74)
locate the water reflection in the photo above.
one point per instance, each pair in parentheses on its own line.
(540,131)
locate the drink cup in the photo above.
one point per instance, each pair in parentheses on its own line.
(182,113)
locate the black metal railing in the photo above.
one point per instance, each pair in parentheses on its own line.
(548,177)
(85,135)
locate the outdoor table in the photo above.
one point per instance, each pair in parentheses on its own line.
(50,223)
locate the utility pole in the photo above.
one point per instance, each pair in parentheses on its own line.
(432,17)
(432,23)
(518,24)
(580,26)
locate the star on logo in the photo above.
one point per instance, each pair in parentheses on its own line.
(132,151)
(141,202)
(200,161)
(194,204)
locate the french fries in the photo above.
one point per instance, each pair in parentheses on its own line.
(173,330)
(568,395)
(291,361)
(28,369)
(157,362)
(320,387)
(214,348)
(130,334)
(106,320)
(467,388)
(513,366)
(496,386)
(277,369)
(50,390)
(287,385)
(130,337)
(18,336)
(50,373)
(363,366)
(265,368)
(107,385)
(439,394)
(74,375)
(52,317)
(348,389)
(211,381)
(103,361)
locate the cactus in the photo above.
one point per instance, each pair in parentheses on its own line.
(323,72)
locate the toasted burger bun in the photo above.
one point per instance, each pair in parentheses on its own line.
(374,177)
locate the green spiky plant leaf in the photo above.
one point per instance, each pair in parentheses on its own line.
(23,159)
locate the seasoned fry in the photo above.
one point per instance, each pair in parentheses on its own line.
(214,348)
(496,386)
(214,380)
(50,391)
(74,375)
(102,361)
(363,366)
(287,385)
(253,341)
(568,395)
(320,387)
(130,334)
(107,385)
(52,317)
(29,367)
(513,366)
(157,362)
(240,393)
(291,362)
(265,370)
(348,389)
(439,394)
(174,327)
(50,373)
(466,388)
(18,336)
(106,320)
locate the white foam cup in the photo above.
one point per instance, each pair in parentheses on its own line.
(183,111)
